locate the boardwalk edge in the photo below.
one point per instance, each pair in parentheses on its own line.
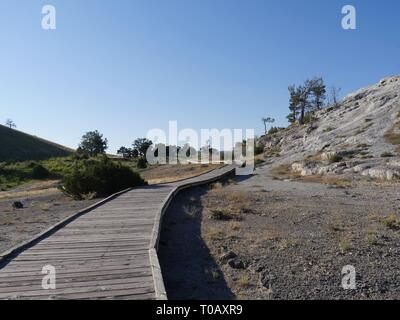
(159,285)
(5,256)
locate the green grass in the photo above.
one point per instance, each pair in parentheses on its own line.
(21,155)
(19,146)
(14,174)
(18,173)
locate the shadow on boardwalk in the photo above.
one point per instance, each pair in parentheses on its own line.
(185,260)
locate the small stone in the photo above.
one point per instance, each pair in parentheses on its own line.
(18,205)
(266,279)
(259,268)
(227,256)
(236,264)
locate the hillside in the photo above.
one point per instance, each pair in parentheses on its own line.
(358,138)
(18,146)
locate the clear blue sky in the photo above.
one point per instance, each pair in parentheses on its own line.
(124,67)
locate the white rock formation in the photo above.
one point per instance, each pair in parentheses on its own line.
(349,138)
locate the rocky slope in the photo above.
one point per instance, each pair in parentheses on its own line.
(359,138)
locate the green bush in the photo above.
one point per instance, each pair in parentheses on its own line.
(142,163)
(335,158)
(309,118)
(258,150)
(40,172)
(101,177)
(387,155)
(273,130)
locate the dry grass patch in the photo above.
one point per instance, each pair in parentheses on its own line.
(236,196)
(217,186)
(372,240)
(214,234)
(391,221)
(374,217)
(336,225)
(224,214)
(228,205)
(243,282)
(284,171)
(393,135)
(4,195)
(273,152)
(171,173)
(45,206)
(345,243)
(331,180)
(272,235)
(286,243)
(235,226)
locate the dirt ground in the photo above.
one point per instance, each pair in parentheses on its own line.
(44,206)
(261,238)
(170,173)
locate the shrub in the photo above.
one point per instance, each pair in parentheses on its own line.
(309,118)
(259,149)
(102,177)
(335,158)
(223,214)
(142,163)
(273,130)
(329,129)
(390,221)
(40,172)
(387,155)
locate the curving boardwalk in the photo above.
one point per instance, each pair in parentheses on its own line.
(105,252)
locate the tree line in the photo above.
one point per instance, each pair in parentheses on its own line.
(93,143)
(304,101)
(308,98)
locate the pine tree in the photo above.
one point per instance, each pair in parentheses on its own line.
(293,104)
(317,90)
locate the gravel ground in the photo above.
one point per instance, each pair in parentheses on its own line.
(262,238)
(43,207)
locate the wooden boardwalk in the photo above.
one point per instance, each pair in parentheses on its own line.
(108,252)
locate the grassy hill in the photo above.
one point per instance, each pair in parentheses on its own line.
(18,146)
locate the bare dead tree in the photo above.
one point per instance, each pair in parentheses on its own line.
(334,96)
(265,121)
(10,124)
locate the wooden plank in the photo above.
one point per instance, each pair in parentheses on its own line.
(26,271)
(107,251)
(65,283)
(80,256)
(79,293)
(99,277)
